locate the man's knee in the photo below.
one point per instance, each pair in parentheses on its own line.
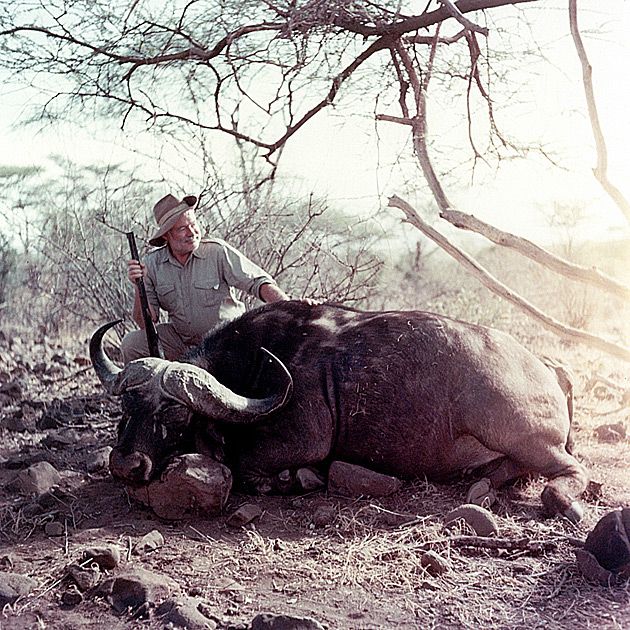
(134,346)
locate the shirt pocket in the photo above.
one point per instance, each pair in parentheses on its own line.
(208,291)
(167,296)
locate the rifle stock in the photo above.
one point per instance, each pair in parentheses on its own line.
(153,341)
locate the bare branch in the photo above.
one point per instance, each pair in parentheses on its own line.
(395,119)
(497,287)
(380,44)
(425,39)
(464,21)
(588,275)
(601,170)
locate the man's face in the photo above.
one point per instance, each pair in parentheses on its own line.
(184,237)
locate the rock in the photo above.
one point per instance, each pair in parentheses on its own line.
(324,515)
(54,529)
(351,480)
(7,561)
(309,480)
(480,520)
(37,478)
(13,389)
(98,460)
(592,570)
(245,514)
(433,563)
(107,557)
(72,597)
(191,485)
(53,498)
(268,621)
(184,612)
(611,433)
(148,543)
(63,358)
(84,578)
(14,585)
(62,438)
(133,590)
(609,542)
(14,419)
(40,367)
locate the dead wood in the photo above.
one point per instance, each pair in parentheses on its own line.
(601,170)
(496,286)
(589,275)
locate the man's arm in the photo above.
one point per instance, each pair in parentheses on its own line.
(272,293)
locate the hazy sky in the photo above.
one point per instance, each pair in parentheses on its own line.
(346,163)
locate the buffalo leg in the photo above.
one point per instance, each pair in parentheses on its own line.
(567,480)
(567,477)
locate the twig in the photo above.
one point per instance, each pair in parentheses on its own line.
(204,536)
(462,19)
(522,544)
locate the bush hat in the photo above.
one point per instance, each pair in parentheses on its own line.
(167,211)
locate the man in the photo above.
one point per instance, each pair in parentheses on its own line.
(193,280)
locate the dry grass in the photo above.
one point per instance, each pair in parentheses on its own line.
(363,569)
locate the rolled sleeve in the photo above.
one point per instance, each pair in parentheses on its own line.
(242,273)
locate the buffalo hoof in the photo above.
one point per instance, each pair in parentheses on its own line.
(482,493)
(555,502)
(574,513)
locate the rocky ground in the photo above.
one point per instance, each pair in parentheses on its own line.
(76,551)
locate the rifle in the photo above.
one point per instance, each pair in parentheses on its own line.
(153,341)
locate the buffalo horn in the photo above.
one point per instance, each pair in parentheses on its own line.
(200,391)
(106,370)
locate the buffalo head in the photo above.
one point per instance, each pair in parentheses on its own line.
(159,400)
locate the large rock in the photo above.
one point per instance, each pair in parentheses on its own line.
(184,612)
(37,478)
(98,460)
(478,519)
(138,589)
(148,543)
(191,485)
(14,585)
(245,514)
(107,557)
(609,542)
(611,432)
(350,480)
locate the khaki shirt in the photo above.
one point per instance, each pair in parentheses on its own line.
(201,294)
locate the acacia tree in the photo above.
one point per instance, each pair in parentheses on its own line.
(261,71)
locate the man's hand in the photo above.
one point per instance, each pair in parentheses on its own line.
(272,293)
(135,270)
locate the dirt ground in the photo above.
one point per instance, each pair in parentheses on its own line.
(358,568)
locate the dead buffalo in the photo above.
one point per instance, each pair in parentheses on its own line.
(409,394)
